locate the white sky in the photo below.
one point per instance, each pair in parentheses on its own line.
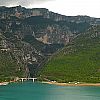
(71,7)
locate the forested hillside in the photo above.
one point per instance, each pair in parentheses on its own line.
(28,37)
(79,61)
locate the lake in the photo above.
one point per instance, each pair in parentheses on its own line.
(40,91)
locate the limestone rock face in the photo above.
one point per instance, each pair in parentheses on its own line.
(29,36)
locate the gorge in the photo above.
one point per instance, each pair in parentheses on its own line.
(29,37)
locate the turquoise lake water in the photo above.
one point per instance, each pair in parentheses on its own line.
(39,91)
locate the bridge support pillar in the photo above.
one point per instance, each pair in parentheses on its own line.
(33,79)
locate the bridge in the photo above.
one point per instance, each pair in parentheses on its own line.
(22,79)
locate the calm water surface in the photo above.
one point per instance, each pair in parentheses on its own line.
(39,91)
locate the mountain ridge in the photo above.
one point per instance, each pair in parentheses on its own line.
(18,10)
(31,36)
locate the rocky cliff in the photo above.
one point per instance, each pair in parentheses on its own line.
(29,36)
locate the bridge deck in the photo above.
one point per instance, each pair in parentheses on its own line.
(22,79)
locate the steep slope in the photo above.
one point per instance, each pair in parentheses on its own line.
(9,68)
(29,36)
(78,61)
(46,26)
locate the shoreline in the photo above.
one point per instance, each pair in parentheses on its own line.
(58,84)
(6,83)
(72,84)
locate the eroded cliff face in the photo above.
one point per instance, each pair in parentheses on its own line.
(47,27)
(29,36)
